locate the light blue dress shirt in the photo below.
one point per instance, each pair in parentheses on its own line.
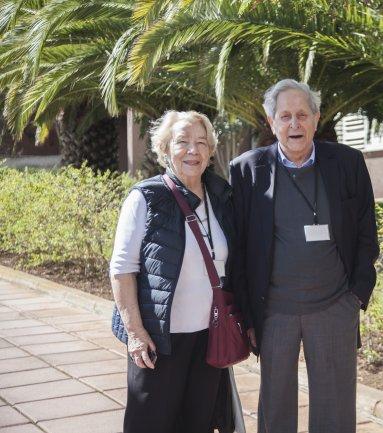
(287,163)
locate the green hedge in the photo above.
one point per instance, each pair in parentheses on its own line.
(69,215)
(379,220)
(372,321)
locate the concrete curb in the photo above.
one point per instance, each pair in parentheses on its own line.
(74,297)
(369,400)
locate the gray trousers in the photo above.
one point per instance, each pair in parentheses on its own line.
(330,344)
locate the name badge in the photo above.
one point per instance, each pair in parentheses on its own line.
(317,232)
(219,266)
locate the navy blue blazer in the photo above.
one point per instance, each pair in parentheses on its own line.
(352,212)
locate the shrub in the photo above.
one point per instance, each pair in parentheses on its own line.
(65,216)
(379,221)
(372,321)
(70,216)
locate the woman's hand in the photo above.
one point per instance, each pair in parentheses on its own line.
(139,342)
(139,345)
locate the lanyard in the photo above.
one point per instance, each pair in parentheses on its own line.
(207,233)
(313,207)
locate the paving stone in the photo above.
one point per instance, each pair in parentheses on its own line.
(4,343)
(249,401)
(34,330)
(51,385)
(94,334)
(10,416)
(105,422)
(250,424)
(78,318)
(250,362)
(378,411)
(56,337)
(107,381)
(33,307)
(6,297)
(369,427)
(20,364)
(303,399)
(12,352)
(303,419)
(10,315)
(78,357)
(239,370)
(111,343)
(31,376)
(22,323)
(68,346)
(118,394)
(43,391)
(248,382)
(55,312)
(31,298)
(361,418)
(9,286)
(85,326)
(25,428)
(95,368)
(67,406)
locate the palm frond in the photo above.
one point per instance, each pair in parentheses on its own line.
(109,74)
(221,74)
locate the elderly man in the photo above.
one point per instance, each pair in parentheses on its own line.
(308,242)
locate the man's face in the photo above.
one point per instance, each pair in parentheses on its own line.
(294,123)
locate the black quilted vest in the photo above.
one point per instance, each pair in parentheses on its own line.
(163,246)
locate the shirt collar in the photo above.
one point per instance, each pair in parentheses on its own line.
(287,163)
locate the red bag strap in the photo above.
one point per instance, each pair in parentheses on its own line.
(191,219)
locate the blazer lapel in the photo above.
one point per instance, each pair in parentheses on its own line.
(265,180)
(329,169)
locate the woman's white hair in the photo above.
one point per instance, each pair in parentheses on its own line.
(162,130)
(271,95)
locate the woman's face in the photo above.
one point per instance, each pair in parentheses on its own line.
(189,150)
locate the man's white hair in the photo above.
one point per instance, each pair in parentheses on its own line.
(271,95)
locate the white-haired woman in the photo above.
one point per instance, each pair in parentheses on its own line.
(161,286)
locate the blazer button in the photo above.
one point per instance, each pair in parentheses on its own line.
(263,299)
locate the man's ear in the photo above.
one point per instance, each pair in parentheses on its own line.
(271,123)
(317,117)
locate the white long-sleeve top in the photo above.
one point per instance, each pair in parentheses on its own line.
(192,300)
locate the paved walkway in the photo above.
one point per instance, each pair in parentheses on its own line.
(61,370)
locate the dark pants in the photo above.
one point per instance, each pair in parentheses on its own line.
(179,395)
(329,340)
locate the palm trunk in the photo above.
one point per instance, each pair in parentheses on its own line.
(326,132)
(98,145)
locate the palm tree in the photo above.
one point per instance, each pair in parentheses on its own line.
(73,64)
(57,70)
(234,50)
(50,67)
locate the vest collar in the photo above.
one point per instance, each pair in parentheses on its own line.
(215,185)
(192,198)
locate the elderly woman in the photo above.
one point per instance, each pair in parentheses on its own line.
(161,286)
